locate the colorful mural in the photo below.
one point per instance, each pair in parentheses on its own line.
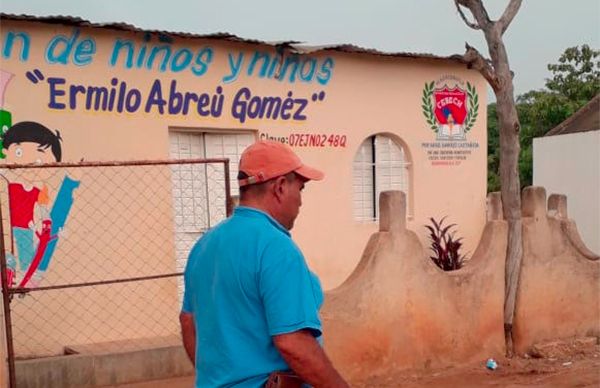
(35,225)
(5,115)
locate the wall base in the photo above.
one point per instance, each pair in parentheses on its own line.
(101,369)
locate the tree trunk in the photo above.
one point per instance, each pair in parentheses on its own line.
(509,127)
(511,204)
(499,76)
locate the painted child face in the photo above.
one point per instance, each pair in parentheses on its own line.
(29,152)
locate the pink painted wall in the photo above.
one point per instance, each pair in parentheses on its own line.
(363,95)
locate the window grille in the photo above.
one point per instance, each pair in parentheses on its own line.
(380,164)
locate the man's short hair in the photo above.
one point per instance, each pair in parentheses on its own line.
(259,188)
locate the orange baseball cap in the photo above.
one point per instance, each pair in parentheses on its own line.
(266,160)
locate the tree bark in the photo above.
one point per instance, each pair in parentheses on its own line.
(511,203)
(498,74)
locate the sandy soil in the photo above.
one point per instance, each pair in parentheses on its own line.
(573,371)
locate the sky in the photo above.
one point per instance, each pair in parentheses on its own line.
(540,32)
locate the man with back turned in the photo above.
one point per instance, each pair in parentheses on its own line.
(251,304)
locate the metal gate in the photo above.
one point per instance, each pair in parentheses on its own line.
(88,258)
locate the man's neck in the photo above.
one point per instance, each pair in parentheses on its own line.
(264,206)
(257,204)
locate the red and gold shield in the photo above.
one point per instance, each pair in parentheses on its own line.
(450,105)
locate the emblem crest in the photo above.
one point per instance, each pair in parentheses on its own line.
(450,112)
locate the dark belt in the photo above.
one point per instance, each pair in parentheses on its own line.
(284,380)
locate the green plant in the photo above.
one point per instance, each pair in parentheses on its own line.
(445,247)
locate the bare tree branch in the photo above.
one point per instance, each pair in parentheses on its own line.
(478,11)
(464,18)
(476,61)
(508,15)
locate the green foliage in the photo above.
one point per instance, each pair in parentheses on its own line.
(493,176)
(526,165)
(577,74)
(540,111)
(575,81)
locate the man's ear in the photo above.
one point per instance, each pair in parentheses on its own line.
(279,187)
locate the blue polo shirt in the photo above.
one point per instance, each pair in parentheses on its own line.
(245,281)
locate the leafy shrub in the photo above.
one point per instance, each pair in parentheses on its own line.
(446,249)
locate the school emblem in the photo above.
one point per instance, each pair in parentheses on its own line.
(450,111)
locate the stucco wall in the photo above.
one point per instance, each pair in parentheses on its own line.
(364,95)
(559,294)
(570,164)
(397,310)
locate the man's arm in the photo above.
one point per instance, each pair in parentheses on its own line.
(307,359)
(188,334)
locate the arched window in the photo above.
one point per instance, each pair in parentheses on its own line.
(380,164)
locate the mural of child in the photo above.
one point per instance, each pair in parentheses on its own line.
(29,142)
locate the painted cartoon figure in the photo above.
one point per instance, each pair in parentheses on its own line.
(31,142)
(44,238)
(5,115)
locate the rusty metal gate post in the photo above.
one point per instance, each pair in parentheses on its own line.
(6,298)
(228,201)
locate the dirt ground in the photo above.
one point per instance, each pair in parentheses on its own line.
(575,371)
(579,368)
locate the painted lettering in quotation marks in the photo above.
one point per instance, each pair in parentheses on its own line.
(119,97)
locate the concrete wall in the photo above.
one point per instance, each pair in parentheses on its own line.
(559,294)
(104,369)
(398,310)
(570,164)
